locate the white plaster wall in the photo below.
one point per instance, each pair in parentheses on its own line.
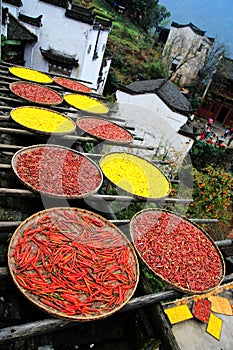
(153,103)
(64,35)
(89,67)
(181,41)
(105,72)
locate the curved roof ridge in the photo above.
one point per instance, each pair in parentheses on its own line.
(191,25)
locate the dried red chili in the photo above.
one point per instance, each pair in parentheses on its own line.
(177,250)
(71,84)
(104,129)
(82,275)
(57,171)
(202,309)
(36,93)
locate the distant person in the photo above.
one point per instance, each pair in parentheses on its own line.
(207,131)
(230,140)
(226,133)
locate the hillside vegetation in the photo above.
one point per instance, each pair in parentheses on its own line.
(129,46)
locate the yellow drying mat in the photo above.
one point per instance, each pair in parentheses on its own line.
(220,305)
(86,103)
(31,74)
(214,326)
(135,175)
(42,119)
(178,314)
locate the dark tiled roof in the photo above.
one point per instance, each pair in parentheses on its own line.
(80,16)
(31,20)
(84,15)
(166,90)
(192,26)
(16,31)
(14,2)
(60,3)
(56,57)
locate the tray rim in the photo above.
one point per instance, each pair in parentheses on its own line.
(105,139)
(40,131)
(130,193)
(47,194)
(41,86)
(170,284)
(55,312)
(33,70)
(84,110)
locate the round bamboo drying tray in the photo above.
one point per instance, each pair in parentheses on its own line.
(86,103)
(83,268)
(26,115)
(151,181)
(170,243)
(36,93)
(72,85)
(49,174)
(99,125)
(30,74)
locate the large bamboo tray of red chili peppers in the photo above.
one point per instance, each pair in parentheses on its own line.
(104,130)
(73,264)
(177,251)
(36,93)
(57,171)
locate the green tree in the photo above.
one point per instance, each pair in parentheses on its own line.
(212,195)
(147,14)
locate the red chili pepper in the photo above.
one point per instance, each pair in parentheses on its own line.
(70,174)
(53,263)
(177,250)
(104,129)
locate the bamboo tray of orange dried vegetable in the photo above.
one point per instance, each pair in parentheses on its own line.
(73,264)
(36,93)
(104,130)
(177,251)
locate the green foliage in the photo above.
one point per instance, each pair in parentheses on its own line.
(203,154)
(111,83)
(156,284)
(153,69)
(212,193)
(147,14)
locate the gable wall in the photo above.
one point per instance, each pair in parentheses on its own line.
(183,43)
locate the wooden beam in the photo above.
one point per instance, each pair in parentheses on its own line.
(96,197)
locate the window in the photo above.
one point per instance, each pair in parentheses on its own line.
(174,65)
(200,47)
(56,69)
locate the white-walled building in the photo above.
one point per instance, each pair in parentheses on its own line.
(160,108)
(185,52)
(64,38)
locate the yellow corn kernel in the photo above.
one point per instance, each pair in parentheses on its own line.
(31,74)
(41,119)
(135,175)
(86,103)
